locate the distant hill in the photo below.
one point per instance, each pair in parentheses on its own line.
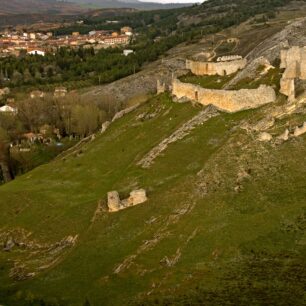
(128,4)
(8,7)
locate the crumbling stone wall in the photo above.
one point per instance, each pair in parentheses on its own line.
(293,60)
(115,204)
(227,100)
(218,68)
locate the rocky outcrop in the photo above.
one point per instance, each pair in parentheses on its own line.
(227,100)
(287,88)
(36,256)
(124,112)
(265,137)
(115,204)
(4,91)
(284,136)
(179,134)
(218,68)
(298,131)
(160,87)
(105,126)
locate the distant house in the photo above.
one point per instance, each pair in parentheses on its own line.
(117,40)
(126,30)
(37,94)
(127,52)
(36,52)
(60,92)
(32,137)
(8,109)
(4,91)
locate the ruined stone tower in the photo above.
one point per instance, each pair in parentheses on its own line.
(294,62)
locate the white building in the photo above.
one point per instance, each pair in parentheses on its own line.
(127,52)
(37,52)
(8,109)
(32,36)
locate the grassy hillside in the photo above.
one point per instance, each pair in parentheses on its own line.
(224,224)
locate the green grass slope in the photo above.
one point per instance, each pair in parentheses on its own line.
(224,223)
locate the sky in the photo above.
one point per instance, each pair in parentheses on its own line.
(172,1)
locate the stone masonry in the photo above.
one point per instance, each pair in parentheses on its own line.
(115,204)
(294,62)
(227,100)
(216,68)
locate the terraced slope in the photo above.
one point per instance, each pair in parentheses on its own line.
(224,224)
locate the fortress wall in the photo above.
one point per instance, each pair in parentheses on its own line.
(283,58)
(219,68)
(294,62)
(303,64)
(227,100)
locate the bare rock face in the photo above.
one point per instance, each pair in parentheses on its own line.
(124,112)
(9,244)
(113,201)
(264,124)
(300,130)
(265,137)
(4,91)
(284,136)
(138,197)
(160,87)
(105,126)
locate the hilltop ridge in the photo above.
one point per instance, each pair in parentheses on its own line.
(12,7)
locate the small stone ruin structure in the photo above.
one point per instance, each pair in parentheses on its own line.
(115,204)
(294,62)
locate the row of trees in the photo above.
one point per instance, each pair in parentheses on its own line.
(75,65)
(68,116)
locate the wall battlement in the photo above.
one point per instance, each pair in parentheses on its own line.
(227,100)
(216,68)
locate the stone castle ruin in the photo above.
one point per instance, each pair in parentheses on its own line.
(294,62)
(227,100)
(115,204)
(224,66)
